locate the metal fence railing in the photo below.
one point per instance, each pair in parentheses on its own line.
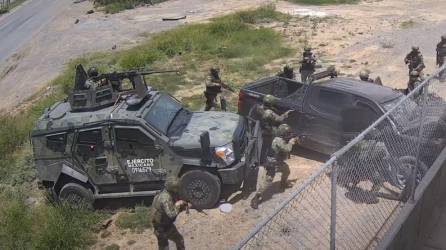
(352,200)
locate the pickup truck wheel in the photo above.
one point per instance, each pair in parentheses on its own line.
(200,188)
(404,171)
(76,195)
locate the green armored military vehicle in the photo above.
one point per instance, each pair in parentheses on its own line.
(106,141)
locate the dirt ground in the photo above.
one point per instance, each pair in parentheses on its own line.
(374,34)
(214,229)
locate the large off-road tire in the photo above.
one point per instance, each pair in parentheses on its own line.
(76,195)
(201,188)
(404,175)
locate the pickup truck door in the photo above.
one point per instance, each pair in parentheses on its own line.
(358,117)
(322,121)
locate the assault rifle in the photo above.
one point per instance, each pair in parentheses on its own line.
(225,86)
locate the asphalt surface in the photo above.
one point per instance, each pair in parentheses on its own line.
(18,27)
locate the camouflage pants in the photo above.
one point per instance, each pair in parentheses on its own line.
(304,74)
(211,102)
(266,146)
(267,174)
(166,233)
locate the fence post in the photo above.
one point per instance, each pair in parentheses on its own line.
(423,102)
(334,179)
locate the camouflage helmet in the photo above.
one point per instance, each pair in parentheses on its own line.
(364,74)
(307,49)
(172,184)
(443,38)
(214,71)
(283,130)
(268,100)
(287,68)
(415,48)
(92,72)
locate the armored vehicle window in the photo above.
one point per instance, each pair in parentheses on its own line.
(89,143)
(56,142)
(162,113)
(133,142)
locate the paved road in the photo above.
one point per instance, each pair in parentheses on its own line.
(17,28)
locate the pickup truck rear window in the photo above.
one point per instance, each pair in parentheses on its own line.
(331,102)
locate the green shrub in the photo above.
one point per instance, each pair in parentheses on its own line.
(63,227)
(15,222)
(137,221)
(115,6)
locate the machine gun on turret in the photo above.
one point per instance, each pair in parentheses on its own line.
(98,91)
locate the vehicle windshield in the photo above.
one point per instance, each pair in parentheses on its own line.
(404,113)
(165,112)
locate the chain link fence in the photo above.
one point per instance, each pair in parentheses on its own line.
(352,200)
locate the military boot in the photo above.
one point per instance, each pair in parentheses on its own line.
(256,201)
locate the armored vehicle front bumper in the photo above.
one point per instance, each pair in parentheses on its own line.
(234,174)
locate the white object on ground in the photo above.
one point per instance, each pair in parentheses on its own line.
(225,208)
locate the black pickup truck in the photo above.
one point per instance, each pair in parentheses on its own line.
(331,112)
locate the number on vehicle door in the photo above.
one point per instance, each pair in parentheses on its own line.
(138,152)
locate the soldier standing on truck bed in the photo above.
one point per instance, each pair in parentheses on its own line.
(287,72)
(166,211)
(281,148)
(214,87)
(308,64)
(414,60)
(269,120)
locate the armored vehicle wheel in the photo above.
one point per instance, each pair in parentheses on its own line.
(76,195)
(200,188)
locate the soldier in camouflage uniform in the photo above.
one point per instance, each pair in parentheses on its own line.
(414,80)
(166,210)
(308,64)
(441,51)
(269,120)
(214,87)
(281,148)
(414,60)
(287,72)
(371,153)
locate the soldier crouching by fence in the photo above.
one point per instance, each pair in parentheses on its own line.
(281,149)
(364,162)
(166,210)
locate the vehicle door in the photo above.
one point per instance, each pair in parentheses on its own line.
(357,118)
(94,153)
(322,121)
(293,102)
(140,155)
